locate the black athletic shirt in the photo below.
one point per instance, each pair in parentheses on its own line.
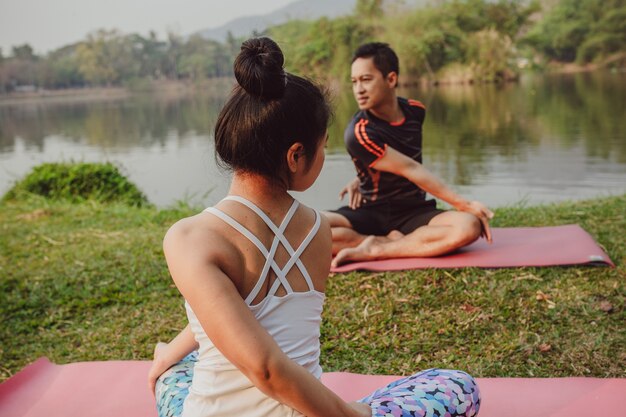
(367,138)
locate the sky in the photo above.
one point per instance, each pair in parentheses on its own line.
(49,24)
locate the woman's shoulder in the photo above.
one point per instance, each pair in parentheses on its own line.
(190,227)
(323,236)
(324,226)
(311,214)
(198,236)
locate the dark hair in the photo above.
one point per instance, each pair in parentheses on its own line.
(267,112)
(385,59)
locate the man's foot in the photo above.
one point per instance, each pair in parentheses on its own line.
(365,251)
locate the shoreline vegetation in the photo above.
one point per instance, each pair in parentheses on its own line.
(447,42)
(83,278)
(166,88)
(184,88)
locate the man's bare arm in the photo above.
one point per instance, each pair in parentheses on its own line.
(400,164)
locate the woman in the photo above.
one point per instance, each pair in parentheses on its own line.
(253,268)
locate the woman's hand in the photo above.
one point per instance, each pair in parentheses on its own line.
(354,195)
(169,354)
(159,365)
(363,410)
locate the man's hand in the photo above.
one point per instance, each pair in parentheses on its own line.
(354,195)
(481,211)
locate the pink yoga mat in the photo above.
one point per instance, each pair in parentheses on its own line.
(82,389)
(514,397)
(118,389)
(511,247)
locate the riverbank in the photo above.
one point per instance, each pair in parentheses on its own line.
(167,89)
(616,62)
(81,282)
(175,90)
(453,75)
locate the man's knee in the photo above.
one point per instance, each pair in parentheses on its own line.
(336,219)
(468,230)
(465,227)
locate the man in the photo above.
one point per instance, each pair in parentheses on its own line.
(388,215)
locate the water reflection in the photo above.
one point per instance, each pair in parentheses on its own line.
(113,125)
(544,139)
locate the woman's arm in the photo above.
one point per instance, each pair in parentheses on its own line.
(194,261)
(168,354)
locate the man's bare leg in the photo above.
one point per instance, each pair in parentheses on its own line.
(344,236)
(445,233)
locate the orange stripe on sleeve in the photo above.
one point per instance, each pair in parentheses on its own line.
(380,151)
(360,126)
(377,159)
(416,103)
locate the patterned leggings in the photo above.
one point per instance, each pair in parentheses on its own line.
(430,393)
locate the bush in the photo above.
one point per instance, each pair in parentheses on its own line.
(581,30)
(78,182)
(489,53)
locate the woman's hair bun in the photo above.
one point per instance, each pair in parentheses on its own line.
(259,68)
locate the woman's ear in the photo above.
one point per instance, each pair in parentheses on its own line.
(295,157)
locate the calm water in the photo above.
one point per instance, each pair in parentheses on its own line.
(547,138)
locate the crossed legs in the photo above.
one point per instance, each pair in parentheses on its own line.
(444,233)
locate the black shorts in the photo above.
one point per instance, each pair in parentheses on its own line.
(380,218)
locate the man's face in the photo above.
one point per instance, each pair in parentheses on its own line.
(369,86)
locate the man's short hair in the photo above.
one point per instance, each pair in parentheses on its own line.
(385,59)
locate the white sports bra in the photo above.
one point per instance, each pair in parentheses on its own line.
(293,320)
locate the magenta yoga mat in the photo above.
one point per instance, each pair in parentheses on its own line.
(118,388)
(511,247)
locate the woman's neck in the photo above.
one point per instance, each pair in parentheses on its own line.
(260,190)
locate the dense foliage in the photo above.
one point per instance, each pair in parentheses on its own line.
(78,182)
(108,57)
(581,30)
(475,34)
(454,40)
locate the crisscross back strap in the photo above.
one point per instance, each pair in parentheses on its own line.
(278,232)
(281,273)
(269,255)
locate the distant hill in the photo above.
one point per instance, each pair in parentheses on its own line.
(301,9)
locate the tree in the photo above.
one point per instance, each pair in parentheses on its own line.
(607,36)
(150,54)
(60,69)
(369,8)
(232,44)
(21,69)
(489,53)
(580,30)
(106,57)
(203,58)
(173,55)
(24,52)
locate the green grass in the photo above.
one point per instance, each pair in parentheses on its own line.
(88,281)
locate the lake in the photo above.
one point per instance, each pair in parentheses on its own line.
(546,138)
